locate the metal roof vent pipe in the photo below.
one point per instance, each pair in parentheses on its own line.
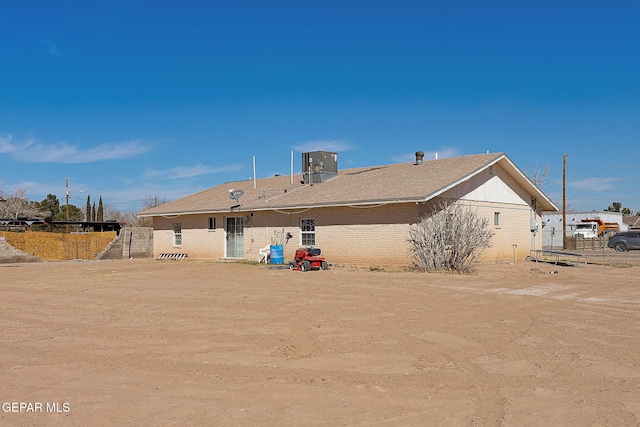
(419,157)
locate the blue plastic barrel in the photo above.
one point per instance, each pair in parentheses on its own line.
(277,255)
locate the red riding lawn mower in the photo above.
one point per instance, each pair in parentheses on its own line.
(308,258)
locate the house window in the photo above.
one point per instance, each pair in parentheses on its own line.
(308,232)
(212,223)
(496,219)
(177,234)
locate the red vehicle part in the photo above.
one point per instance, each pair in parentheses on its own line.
(307,259)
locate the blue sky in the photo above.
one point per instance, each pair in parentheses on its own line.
(130,99)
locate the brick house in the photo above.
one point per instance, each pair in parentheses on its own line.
(357,216)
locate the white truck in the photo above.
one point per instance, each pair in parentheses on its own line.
(588,230)
(592,228)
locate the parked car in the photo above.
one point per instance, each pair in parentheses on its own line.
(625,241)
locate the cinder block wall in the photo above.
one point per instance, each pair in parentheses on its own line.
(142,242)
(9,254)
(137,242)
(132,242)
(113,249)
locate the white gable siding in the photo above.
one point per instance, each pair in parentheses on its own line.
(491,185)
(495,190)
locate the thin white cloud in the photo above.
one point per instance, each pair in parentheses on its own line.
(179,172)
(595,184)
(7,147)
(335,145)
(444,153)
(190,171)
(32,152)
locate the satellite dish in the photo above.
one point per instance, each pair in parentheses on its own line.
(235,194)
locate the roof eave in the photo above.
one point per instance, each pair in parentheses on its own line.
(417,199)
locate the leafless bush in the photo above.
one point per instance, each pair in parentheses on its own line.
(149,202)
(17,205)
(453,238)
(538,176)
(124,216)
(152,201)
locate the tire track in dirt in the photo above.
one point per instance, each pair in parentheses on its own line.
(202,343)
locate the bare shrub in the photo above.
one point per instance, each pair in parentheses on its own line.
(152,201)
(538,177)
(122,216)
(17,205)
(453,238)
(149,202)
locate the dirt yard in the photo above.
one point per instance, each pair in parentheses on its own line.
(144,342)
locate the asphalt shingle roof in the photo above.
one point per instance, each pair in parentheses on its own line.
(401,182)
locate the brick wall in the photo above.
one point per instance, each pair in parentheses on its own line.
(512,237)
(197,240)
(372,236)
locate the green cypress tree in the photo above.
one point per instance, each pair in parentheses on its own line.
(93,212)
(100,216)
(88,209)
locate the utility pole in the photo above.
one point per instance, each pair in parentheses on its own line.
(564,201)
(66,184)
